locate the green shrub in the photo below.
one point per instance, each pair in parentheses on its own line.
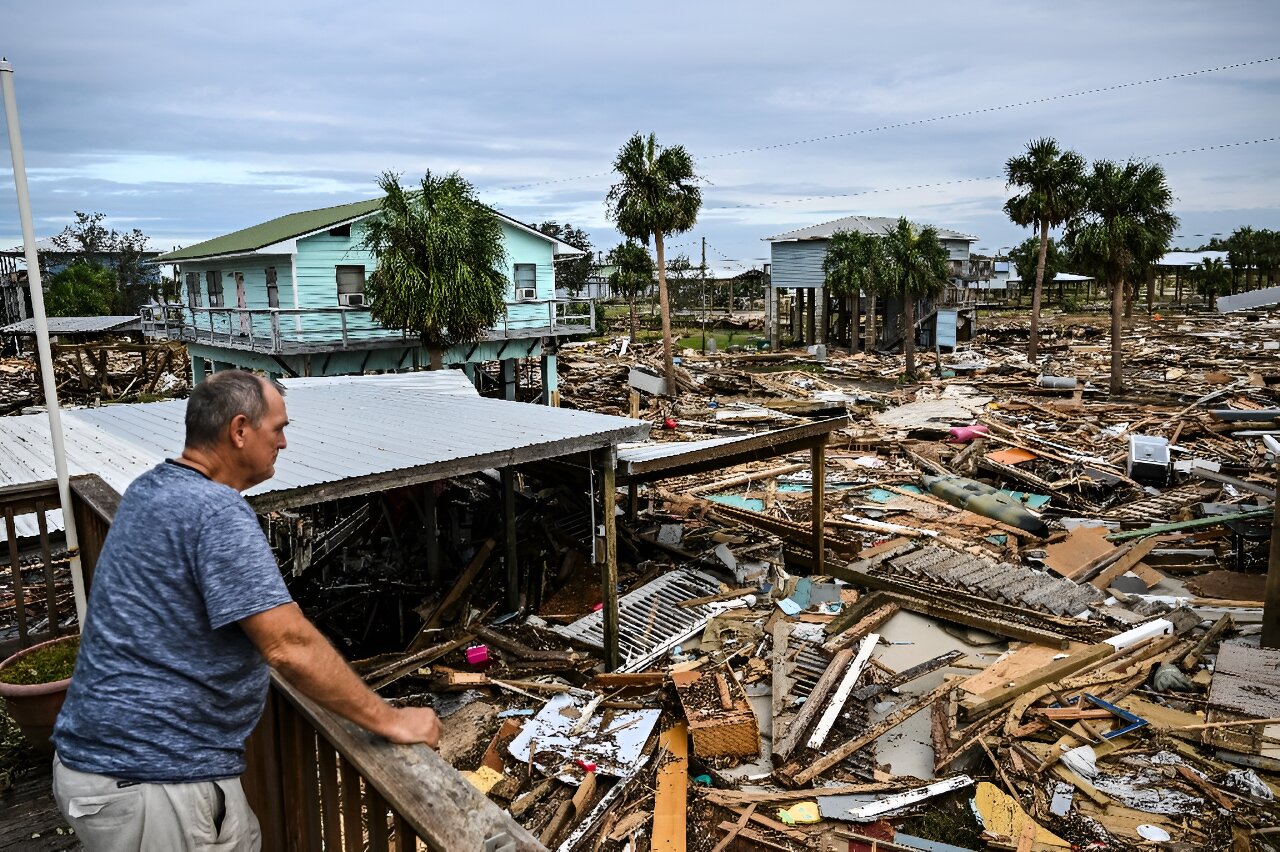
(53,663)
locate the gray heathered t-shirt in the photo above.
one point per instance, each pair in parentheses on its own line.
(167,685)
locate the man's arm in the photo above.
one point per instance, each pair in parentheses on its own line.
(293,646)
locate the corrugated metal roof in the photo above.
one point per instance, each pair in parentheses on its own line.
(341,429)
(649,450)
(645,462)
(294,225)
(1191,258)
(73,325)
(874,225)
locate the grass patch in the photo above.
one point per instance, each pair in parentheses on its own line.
(954,823)
(53,663)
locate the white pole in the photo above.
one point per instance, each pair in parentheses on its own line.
(42,336)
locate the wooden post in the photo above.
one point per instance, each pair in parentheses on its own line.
(509,534)
(1271,603)
(817,464)
(431,529)
(609,565)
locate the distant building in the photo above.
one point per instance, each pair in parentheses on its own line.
(798,284)
(288,297)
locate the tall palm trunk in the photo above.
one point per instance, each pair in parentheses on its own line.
(1117,309)
(869,339)
(909,338)
(667,359)
(1033,341)
(635,320)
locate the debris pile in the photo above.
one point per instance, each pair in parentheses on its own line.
(90,373)
(1035,625)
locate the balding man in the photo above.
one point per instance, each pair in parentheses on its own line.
(187,611)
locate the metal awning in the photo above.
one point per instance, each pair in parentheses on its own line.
(651,462)
(348,435)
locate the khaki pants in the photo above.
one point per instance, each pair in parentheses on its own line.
(207,815)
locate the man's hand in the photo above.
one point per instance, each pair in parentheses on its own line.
(415,725)
(295,648)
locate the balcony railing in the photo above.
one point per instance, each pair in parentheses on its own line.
(315,781)
(284,330)
(36,601)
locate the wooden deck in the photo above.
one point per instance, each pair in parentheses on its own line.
(29,818)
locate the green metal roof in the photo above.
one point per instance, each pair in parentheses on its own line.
(275,231)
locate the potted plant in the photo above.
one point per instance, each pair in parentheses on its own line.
(33,683)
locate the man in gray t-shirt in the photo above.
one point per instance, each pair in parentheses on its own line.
(186,612)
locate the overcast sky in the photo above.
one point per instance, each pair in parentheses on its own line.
(189,120)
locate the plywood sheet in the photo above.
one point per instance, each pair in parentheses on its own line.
(670,801)
(1081,546)
(1018,662)
(1012,455)
(1002,815)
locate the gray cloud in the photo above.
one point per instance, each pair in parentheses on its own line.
(193,119)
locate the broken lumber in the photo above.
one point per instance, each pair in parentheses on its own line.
(845,749)
(782,749)
(671,798)
(977,705)
(464,582)
(836,704)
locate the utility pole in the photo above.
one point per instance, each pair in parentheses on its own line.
(702,273)
(48,382)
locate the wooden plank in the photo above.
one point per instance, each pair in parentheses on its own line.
(609,566)
(671,798)
(864,626)
(841,694)
(977,705)
(330,804)
(377,812)
(463,584)
(1015,664)
(438,803)
(1125,562)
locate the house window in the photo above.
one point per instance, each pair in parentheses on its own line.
(526,275)
(351,286)
(213,282)
(273,288)
(341,231)
(193,289)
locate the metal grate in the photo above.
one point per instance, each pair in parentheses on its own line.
(650,620)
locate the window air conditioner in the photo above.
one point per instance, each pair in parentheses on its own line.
(351,300)
(526,293)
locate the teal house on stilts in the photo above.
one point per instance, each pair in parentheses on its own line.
(288,297)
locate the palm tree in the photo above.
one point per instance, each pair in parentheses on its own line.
(632,276)
(1026,255)
(1212,277)
(918,263)
(441,261)
(1126,224)
(1052,182)
(1242,254)
(654,197)
(855,263)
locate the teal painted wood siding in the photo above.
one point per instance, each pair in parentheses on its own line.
(317,259)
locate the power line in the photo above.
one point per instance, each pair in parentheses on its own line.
(937,118)
(970,180)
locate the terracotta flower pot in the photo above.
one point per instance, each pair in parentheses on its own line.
(35,707)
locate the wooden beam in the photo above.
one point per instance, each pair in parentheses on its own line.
(977,705)
(434,799)
(510,539)
(845,749)
(818,504)
(609,565)
(671,799)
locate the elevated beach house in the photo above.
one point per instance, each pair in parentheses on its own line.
(798,305)
(288,297)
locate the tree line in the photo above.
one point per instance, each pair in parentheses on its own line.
(102,270)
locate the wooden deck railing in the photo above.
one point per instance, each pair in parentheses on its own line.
(35,571)
(318,782)
(278,330)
